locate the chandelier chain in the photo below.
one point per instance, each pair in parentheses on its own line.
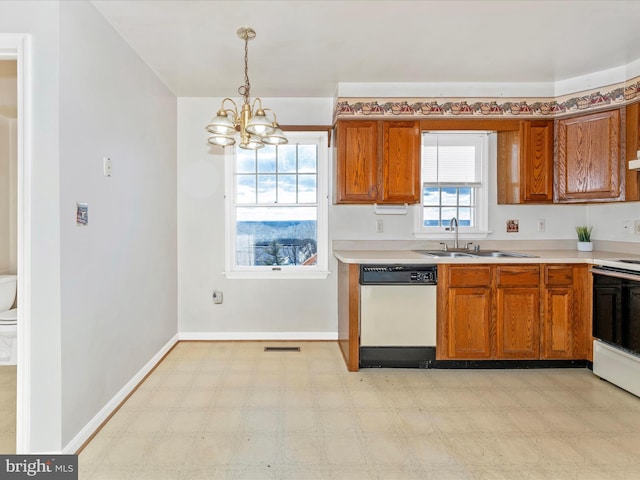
(245,89)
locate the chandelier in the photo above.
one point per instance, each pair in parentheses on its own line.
(255,128)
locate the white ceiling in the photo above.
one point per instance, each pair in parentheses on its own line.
(306,48)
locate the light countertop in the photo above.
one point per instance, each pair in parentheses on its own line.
(541,256)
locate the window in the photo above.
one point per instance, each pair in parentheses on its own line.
(453,182)
(277,209)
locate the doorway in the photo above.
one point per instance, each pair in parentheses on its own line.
(16,48)
(8,247)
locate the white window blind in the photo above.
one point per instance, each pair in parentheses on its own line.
(451,159)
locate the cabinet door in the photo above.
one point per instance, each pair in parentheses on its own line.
(588,158)
(525,163)
(400,163)
(518,323)
(558,323)
(469,323)
(357,161)
(537,161)
(566,330)
(517,311)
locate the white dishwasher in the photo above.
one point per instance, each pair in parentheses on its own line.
(398,315)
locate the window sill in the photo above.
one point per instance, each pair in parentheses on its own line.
(277,274)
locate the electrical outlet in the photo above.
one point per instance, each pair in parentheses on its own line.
(541,224)
(636,227)
(379,226)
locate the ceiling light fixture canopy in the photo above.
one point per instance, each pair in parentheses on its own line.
(255,127)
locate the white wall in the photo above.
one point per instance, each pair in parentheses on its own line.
(40,20)
(251,308)
(118,283)
(607,220)
(118,273)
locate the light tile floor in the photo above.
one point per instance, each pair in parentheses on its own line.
(7,409)
(229,410)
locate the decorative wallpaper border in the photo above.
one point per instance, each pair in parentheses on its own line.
(613,95)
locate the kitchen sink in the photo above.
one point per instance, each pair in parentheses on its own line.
(500,253)
(473,254)
(446,253)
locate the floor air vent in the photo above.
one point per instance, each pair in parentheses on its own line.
(281,349)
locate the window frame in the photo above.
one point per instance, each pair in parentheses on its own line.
(482,194)
(317,271)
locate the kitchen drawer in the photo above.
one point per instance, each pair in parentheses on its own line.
(518,276)
(558,275)
(467,276)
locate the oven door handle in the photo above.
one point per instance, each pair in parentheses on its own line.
(610,273)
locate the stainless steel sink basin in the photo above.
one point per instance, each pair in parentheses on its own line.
(445,253)
(500,253)
(473,254)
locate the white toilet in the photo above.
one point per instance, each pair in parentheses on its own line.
(8,320)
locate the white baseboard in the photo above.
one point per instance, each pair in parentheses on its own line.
(93,425)
(258,336)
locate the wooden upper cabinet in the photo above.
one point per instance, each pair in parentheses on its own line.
(588,158)
(378,162)
(537,161)
(400,163)
(632,177)
(525,163)
(357,162)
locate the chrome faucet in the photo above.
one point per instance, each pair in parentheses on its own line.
(453,226)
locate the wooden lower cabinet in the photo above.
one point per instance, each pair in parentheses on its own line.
(566,317)
(510,312)
(470,332)
(558,318)
(517,311)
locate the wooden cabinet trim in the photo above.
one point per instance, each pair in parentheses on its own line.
(349,314)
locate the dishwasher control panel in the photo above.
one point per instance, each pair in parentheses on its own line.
(398,274)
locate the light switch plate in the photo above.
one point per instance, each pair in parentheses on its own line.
(106,166)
